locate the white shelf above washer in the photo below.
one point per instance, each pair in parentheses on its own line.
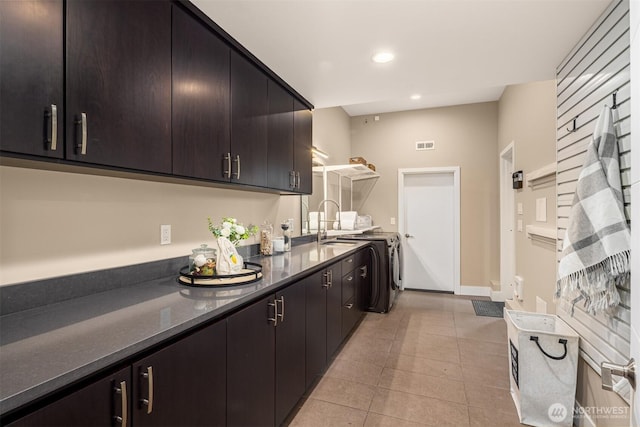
(543,175)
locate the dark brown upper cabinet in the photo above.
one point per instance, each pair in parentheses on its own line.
(280,172)
(118,84)
(201,100)
(302,136)
(249,110)
(31,77)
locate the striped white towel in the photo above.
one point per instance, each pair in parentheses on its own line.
(597,244)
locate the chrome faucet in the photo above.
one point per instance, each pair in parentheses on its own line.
(323,234)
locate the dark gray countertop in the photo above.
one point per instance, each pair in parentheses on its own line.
(49,347)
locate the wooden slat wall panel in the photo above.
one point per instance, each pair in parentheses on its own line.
(596,68)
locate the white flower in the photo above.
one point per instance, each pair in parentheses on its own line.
(225,232)
(226,225)
(240,229)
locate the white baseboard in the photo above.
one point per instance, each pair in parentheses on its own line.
(511,304)
(497,296)
(475,291)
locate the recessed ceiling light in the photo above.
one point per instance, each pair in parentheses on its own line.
(383,57)
(416,97)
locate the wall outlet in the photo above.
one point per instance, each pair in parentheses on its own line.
(165,234)
(392,221)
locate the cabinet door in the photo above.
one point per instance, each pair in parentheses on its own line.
(183,383)
(280,172)
(118,87)
(97,404)
(249,110)
(302,134)
(334,309)
(316,326)
(31,80)
(200,109)
(251,365)
(290,349)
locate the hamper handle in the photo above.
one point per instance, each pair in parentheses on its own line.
(561,341)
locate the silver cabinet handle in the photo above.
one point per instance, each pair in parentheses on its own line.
(54,127)
(237,160)
(627,371)
(227,173)
(83,138)
(326,283)
(274,319)
(297,180)
(292,179)
(149,377)
(281,314)
(364,271)
(350,260)
(330,281)
(349,306)
(124,400)
(350,278)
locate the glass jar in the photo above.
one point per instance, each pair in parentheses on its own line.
(202,261)
(286,234)
(266,239)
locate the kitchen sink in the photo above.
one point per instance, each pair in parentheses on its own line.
(339,243)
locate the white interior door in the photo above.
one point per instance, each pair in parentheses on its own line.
(429,226)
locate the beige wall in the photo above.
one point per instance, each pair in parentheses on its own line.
(465,136)
(332,134)
(58,223)
(527,118)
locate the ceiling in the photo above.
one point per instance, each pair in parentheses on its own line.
(449,51)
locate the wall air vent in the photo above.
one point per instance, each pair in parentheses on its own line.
(425,145)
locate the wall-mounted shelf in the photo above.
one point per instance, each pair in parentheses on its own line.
(543,234)
(543,175)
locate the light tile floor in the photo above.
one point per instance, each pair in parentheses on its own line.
(430,361)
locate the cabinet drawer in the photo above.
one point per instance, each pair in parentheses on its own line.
(349,263)
(350,316)
(348,286)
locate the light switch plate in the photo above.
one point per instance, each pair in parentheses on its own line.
(165,234)
(520,225)
(520,208)
(541,209)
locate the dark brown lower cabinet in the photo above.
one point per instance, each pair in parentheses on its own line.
(97,404)
(266,365)
(250,365)
(323,319)
(316,327)
(183,384)
(249,369)
(290,350)
(334,309)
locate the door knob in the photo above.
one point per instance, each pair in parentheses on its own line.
(627,371)
(407,235)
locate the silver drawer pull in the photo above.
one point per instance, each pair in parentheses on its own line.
(83,138)
(349,306)
(148,402)
(237,160)
(227,173)
(274,319)
(124,401)
(54,127)
(281,314)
